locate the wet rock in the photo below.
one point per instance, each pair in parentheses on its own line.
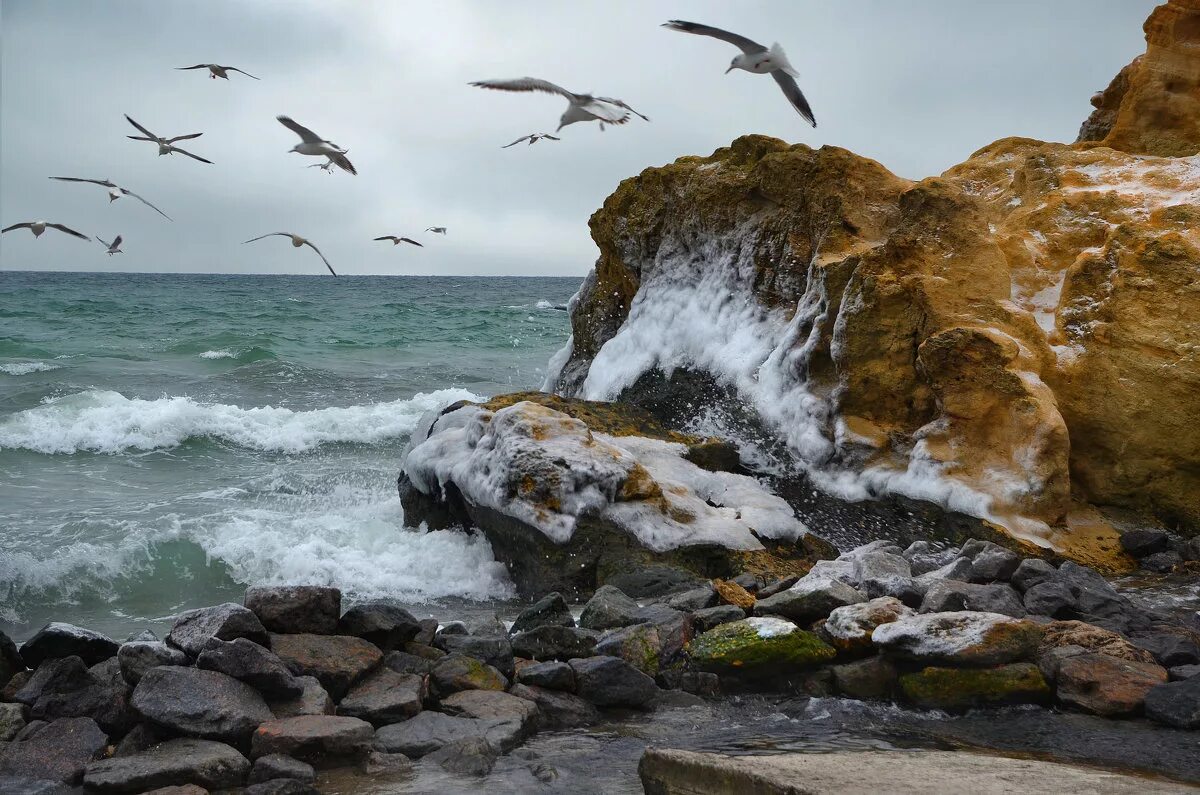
(490,626)
(204,763)
(404,663)
(640,645)
(558,709)
(758,645)
(746,581)
(959,689)
(113,712)
(1105,685)
(1143,543)
(873,678)
(10,660)
(58,752)
(141,737)
(701,683)
(1162,562)
(492,705)
(320,740)
(495,651)
(849,628)
(313,700)
(1032,571)
(385,625)
(18,681)
(424,650)
(704,620)
(31,728)
(274,766)
(56,640)
(194,628)
(555,643)
(812,597)
(428,629)
(459,672)
(1181,672)
(608,608)
(248,662)
(178,789)
(731,592)
(674,629)
(144,634)
(429,731)
(1091,638)
(66,688)
(378,763)
(989,561)
(957,569)
(196,703)
(385,696)
(612,682)
(776,587)
(959,638)
(882,573)
(1097,602)
(469,756)
(296,609)
(138,656)
(950,596)
(12,720)
(551,610)
(651,580)
(923,557)
(693,599)
(552,675)
(1050,598)
(337,661)
(1169,649)
(1176,704)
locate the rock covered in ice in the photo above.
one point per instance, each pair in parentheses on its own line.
(959,638)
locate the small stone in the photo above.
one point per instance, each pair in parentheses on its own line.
(693,599)
(811,598)
(138,656)
(469,756)
(701,683)
(1143,543)
(558,709)
(378,763)
(612,682)
(992,562)
(427,632)
(56,640)
(552,675)
(337,661)
(385,625)
(873,678)
(710,617)
(1105,685)
(550,610)
(274,766)
(424,650)
(608,608)
(58,752)
(1050,598)
(1162,562)
(320,740)
(248,662)
(296,609)
(194,628)
(460,672)
(140,738)
(881,573)
(555,643)
(384,696)
(949,596)
(957,569)
(204,763)
(959,689)
(1176,704)
(18,681)
(959,638)
(923,557)
(730,592)
(495,651)
(313,700)
(1030,572)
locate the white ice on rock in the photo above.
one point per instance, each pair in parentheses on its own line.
(547,469)
(770,627)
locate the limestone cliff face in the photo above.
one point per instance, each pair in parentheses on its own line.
(1013,337)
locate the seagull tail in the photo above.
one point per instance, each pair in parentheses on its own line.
(780,57)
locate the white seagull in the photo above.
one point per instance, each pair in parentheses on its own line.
(216,70)
(113,247)
(37,227)
(398,240)
(437,230)
(533,138)
(757,59)
(297,241)
(580,107)
(316,146)
(115,192)
(165,144)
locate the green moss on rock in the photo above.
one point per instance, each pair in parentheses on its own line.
(958,689)
(758,644)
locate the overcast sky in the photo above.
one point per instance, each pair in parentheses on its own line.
(918,85)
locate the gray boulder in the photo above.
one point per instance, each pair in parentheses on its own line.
(12,720)
(811,598)
(956,569)
(551,610)
(460,672)
(555,643)
(492,705)
(320,740)
(495,651)
(924,556)
(552,675)
(1030,572)
(429,731)
(138,656)
(57,640)
(386,625)
(949,596)
(194,628)
(66,688)
(558,709)
(608,608)
(404,663)
(1169,648)
(612,682)
(1175,704)
(205,763)
(59,751)
(248,662)
(1049,598)
(709,617)
(273,766)
(385,696)
(989,561)
(869,679)
(296,608)
(313,700)
(878,573)
(198,703)
(337,661)
(693,599)
(469,756)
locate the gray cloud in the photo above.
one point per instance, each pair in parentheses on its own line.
(917,86)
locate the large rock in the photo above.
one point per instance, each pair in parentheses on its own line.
(1106,685)
(959,689)
(872,678)
(10,659)
(990,561)
(320,740)
(313,700)
(950,596)
(550,610)
(139,656)
(555,643)
(811,598)
(1176,704)
(558,709)
(386,625)
(460,672)
(337,661)
(612,682)
(57,640)
(430,731)
(296,608)
(959,638)
(469,756)
(496,651)
(59,751)
(385,696)
(758,645)
(65,688)
(1076,633)
(492,705)
(709,617)
(248,662)
(197,703)
(608,608)
(849,628)
(194,628)
(204,763)
(273,766)
(552,675)
(640,645)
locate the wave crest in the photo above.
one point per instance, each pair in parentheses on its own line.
(25,368)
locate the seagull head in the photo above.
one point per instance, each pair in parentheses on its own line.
(738,62)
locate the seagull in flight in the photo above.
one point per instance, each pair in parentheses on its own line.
(297,242)
(216,70)
(165,144)
(757,59)
(115,192)
(437,230)
(329,163)
(398,240)
(533,138)
(316,146)
(37,227)
(113,247)
(580,107)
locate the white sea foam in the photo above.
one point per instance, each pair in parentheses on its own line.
(25,368)
(224,353)
(108,422)
(544,304)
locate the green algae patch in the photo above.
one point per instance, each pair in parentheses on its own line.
(758,644)
(959,689)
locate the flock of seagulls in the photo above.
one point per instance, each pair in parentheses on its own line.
(581,107)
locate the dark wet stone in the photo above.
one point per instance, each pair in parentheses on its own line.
(701,683)
(611,681)
(647,581)
(10,659)
(337,661)
(296,608)
(693,599)
(778,586)
(387,626)
(194,628)
(1030,572)
(1049,598)
(1175,704)
(1182,672)
(196,703)
(1169,649)
(12,720)
(812,597)
(640,645)
(138,656)
(206,763)
(429,731)
(31,728)
(706,619)
(460,672)
(550,610)
(492,705)
(384,696)
(1097,602)
(553,675)
(1143,543)
(674,627)
(1105,685)
(1162,562)
(405,663)
(66,688)
(427,631)
(990,562)
(320,740)
(748,581)
(949,596)
(423,650)
(313,700)
(18,681)
(378,763)
(608,608)
(274,766)
(495,651)
(141,737)
(469,756)
(555,643)
(56,640)
(248,662)
(58,752)
(873,678)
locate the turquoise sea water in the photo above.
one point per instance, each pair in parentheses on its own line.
(167,440)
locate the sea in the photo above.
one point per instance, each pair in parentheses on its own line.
(168,440)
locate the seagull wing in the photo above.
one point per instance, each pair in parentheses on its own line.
(551,137)
(183,137)
(306,135)
(386,237)
(410,240)
(268,234)
(189,154)
(621,104)
(100,240)
(794,95)
(116,242)
(741,42)
(235,69)
(197,66)
(105,182)
(69,231)
(128,192)
(525,84)
(343,162)
(26,225)
(141,129)
(322,256)
(609,114)
(522,138)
